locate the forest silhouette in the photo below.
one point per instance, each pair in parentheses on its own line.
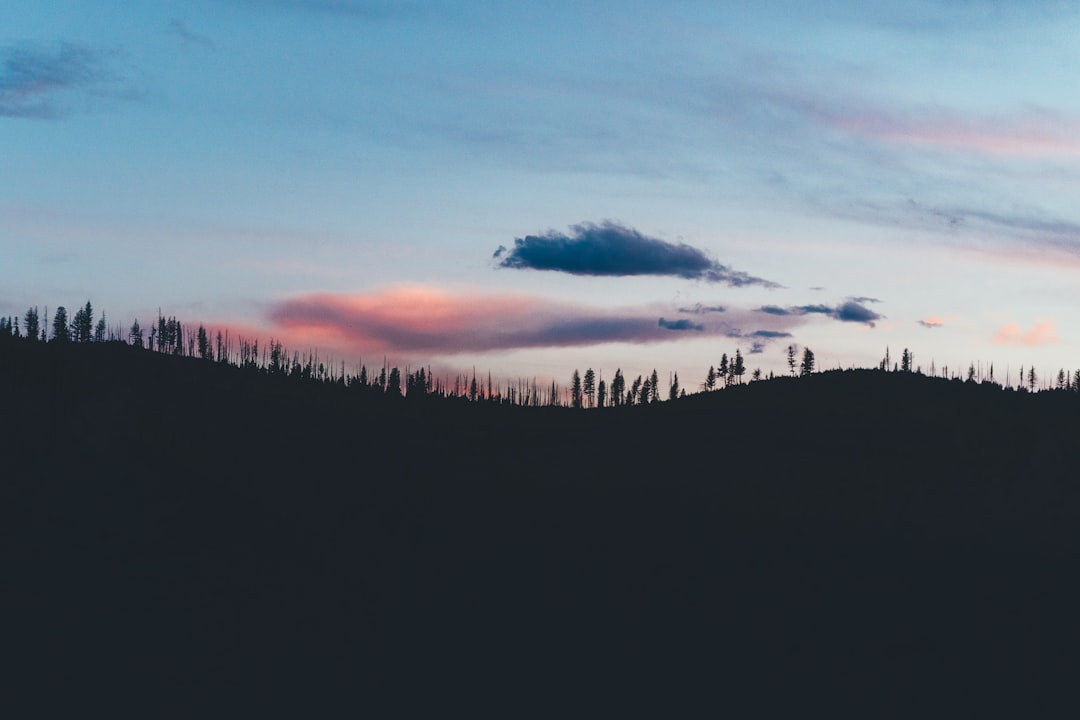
(185,529)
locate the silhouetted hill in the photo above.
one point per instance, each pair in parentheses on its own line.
(180,535)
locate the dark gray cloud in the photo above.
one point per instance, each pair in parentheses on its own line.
(760,338)
(35,81)
(699,309)
(610,249)
(683,324)
(814,310)
(797,310)
(928,323)
(852,310)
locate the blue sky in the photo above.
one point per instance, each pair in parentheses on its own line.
(342,173)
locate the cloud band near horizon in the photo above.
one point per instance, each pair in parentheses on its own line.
(427,320)
(611,249)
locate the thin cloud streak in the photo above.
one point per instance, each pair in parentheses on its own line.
(1031,134)
(363,9)
(699,309)
(852,310)
(611,249)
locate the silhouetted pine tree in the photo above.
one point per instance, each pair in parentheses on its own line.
(60,326)
(32,324)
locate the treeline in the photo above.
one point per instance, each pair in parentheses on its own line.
(170,336)
(1027,379)
(167,335)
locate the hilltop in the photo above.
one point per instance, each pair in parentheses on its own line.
(177,529)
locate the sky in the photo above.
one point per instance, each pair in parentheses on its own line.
(530,188)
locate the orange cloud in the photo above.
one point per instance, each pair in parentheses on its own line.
(1042,333)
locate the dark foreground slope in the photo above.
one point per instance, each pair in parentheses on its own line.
(179,536)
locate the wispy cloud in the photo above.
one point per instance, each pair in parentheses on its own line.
(617,250)
(936,321)
(699,309)
(852,310)
(1041,333)
(760,338)
(180,29)
(365,9)
(1019,230)
(1029,133)
(419,319)
(36,81)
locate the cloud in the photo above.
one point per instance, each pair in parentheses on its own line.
(813,310)
(418,319)
(1030,133)
(936,321)
(180,29)
(699,309)
(852,310)
(681,325)
(1042,333)
(761,338)
(364,9)
(611,249)
(1023,226)
(34,79)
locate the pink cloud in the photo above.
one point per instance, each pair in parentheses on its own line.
(934,321)
(1031,134)
(1042,333)
(422,319)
